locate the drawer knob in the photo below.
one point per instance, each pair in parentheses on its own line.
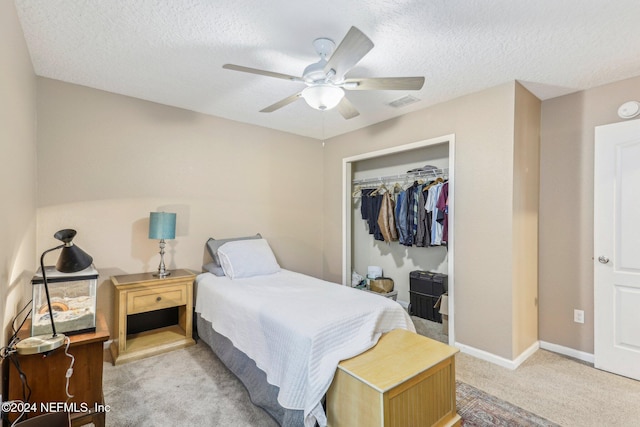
(158,299)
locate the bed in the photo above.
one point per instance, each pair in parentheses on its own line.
(283,333)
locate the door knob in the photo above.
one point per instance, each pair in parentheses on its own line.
(603,259)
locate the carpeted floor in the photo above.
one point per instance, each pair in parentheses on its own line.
(561,389)
(187,387)
(430,329)
(192,387)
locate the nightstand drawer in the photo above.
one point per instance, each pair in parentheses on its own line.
(153,299)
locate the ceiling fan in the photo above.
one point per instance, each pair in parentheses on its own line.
(325,79)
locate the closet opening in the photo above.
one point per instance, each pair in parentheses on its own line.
(389,167)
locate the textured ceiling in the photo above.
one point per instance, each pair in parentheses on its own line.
(172,52)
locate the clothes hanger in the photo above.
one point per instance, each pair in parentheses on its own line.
(378,190)
(357,191)
(437,180)
(409,184)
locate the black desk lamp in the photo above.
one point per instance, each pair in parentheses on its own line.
(71,260)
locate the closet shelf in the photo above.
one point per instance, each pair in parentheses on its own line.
(433,173)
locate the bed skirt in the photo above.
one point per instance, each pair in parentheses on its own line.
(262,394)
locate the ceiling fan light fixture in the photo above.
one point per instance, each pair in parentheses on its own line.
(325,79)
(323,97)
(314,72)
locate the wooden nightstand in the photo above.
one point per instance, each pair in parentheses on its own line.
(46,376)
(145,293)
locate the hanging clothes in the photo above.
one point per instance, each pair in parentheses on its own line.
(370,209)
(417,217)
(416,209)
(412,212)
(386,219)
(365,203)
(376,202)
(401,218)
(430,206)
(443,207)
(423,234)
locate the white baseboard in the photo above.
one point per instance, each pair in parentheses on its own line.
(107,344)
(498,360)
(576,354)
(527,353)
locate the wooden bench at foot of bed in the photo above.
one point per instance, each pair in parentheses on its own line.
(405,380)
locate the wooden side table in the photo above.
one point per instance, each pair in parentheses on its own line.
(47,380)
(144,293)
(405,379)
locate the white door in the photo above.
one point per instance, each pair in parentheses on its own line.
(617,248)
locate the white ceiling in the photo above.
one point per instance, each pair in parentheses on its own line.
(172,52)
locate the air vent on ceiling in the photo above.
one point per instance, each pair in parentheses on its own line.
(405,100)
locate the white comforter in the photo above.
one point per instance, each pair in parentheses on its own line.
(297,328)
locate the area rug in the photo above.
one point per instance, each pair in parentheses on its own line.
(479,409)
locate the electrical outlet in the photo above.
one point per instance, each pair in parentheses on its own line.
(578,316)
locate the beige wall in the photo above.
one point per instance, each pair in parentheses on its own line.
(566,208)
(105,161)
(526,188)
(483,124)
(18,171)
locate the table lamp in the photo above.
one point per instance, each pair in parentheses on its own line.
(162,225)
(71,260)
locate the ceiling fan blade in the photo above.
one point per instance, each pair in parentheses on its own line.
(351,50)
(261,72)
(384,83)
(288,100)
(347,110)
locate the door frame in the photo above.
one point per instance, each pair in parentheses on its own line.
(347,176)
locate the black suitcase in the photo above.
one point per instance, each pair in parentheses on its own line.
(425,288)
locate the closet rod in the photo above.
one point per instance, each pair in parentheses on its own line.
(433,173)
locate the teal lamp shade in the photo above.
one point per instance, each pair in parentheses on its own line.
(162,225)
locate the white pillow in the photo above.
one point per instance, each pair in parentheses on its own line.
(247,258)
(213,245)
